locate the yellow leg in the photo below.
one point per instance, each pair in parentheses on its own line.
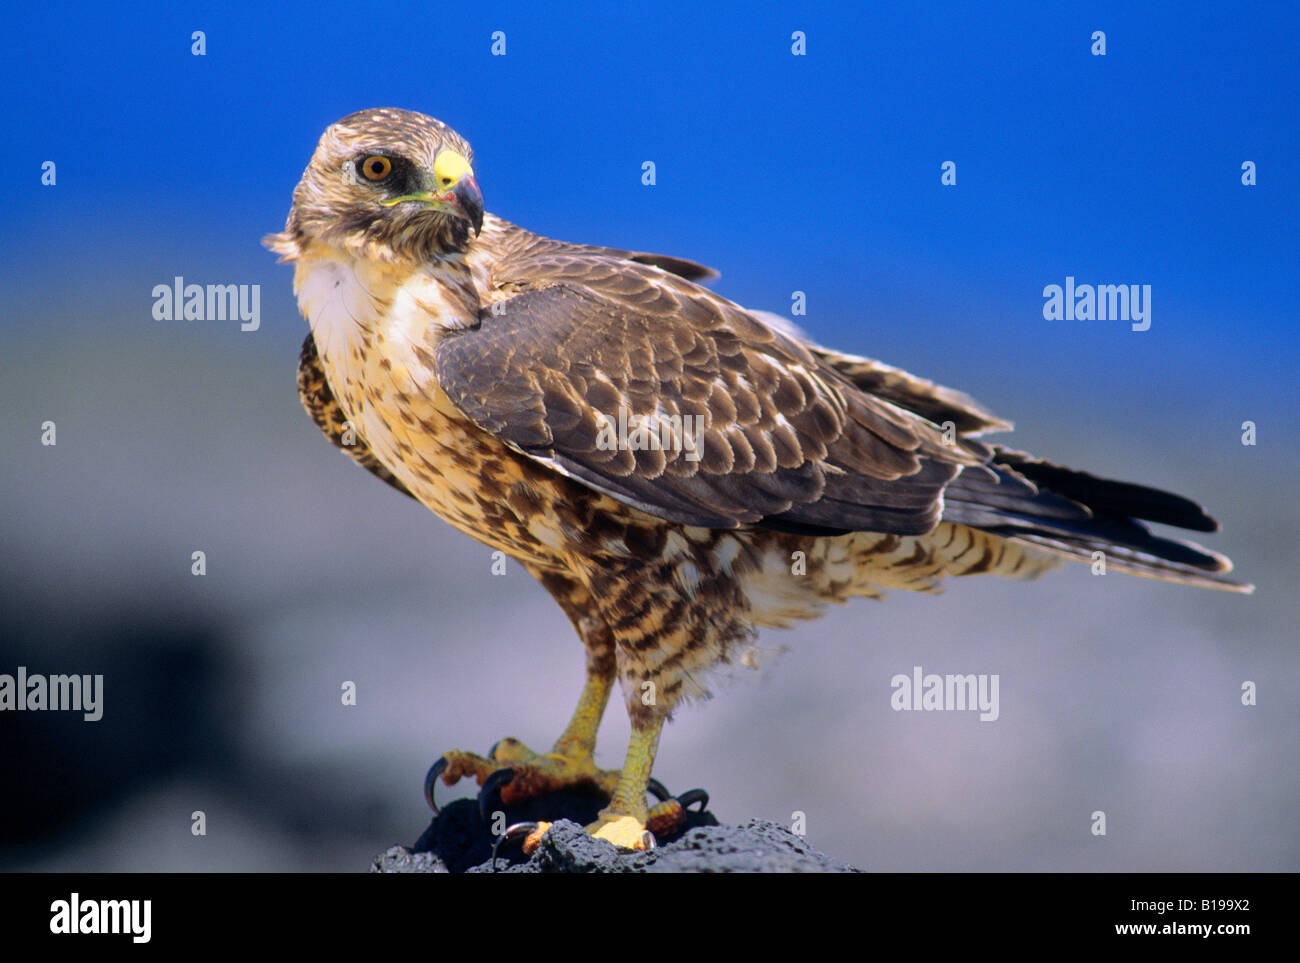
(578,741)
(623,821)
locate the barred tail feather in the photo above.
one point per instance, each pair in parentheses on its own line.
(1131,561)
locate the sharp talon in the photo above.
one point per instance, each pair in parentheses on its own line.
(492,753)
(527,831)
(692,796)
(534,838)
(489,797)
(648,840)
(668,818)
(655,788)
(431,781)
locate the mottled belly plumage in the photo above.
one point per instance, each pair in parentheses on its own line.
(466,476)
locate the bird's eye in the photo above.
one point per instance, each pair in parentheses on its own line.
(376,168)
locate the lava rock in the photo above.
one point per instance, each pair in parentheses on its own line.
(399,859)
(459,840)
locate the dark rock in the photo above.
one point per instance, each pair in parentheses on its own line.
(758,846)
(458,840)
(399,859)
(461,838)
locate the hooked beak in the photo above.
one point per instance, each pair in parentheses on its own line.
(458,193)
(469,199)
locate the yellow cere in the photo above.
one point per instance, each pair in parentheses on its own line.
(449,167)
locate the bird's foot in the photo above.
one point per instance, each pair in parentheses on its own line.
(511,775)
(515,774)
(625,832)
(665,819)
(622,830)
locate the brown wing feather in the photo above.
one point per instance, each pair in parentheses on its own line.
(932,401)
(787,441)
(796,437)
(502,239)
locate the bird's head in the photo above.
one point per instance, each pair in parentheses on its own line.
(388,184)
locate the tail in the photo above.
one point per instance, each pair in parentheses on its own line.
(1076,515)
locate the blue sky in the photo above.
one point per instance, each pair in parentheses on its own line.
(818,173)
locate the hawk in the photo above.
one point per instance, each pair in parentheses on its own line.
(491,374)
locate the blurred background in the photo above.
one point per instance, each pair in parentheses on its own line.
(816,173)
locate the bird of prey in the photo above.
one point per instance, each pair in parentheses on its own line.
(492,374)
